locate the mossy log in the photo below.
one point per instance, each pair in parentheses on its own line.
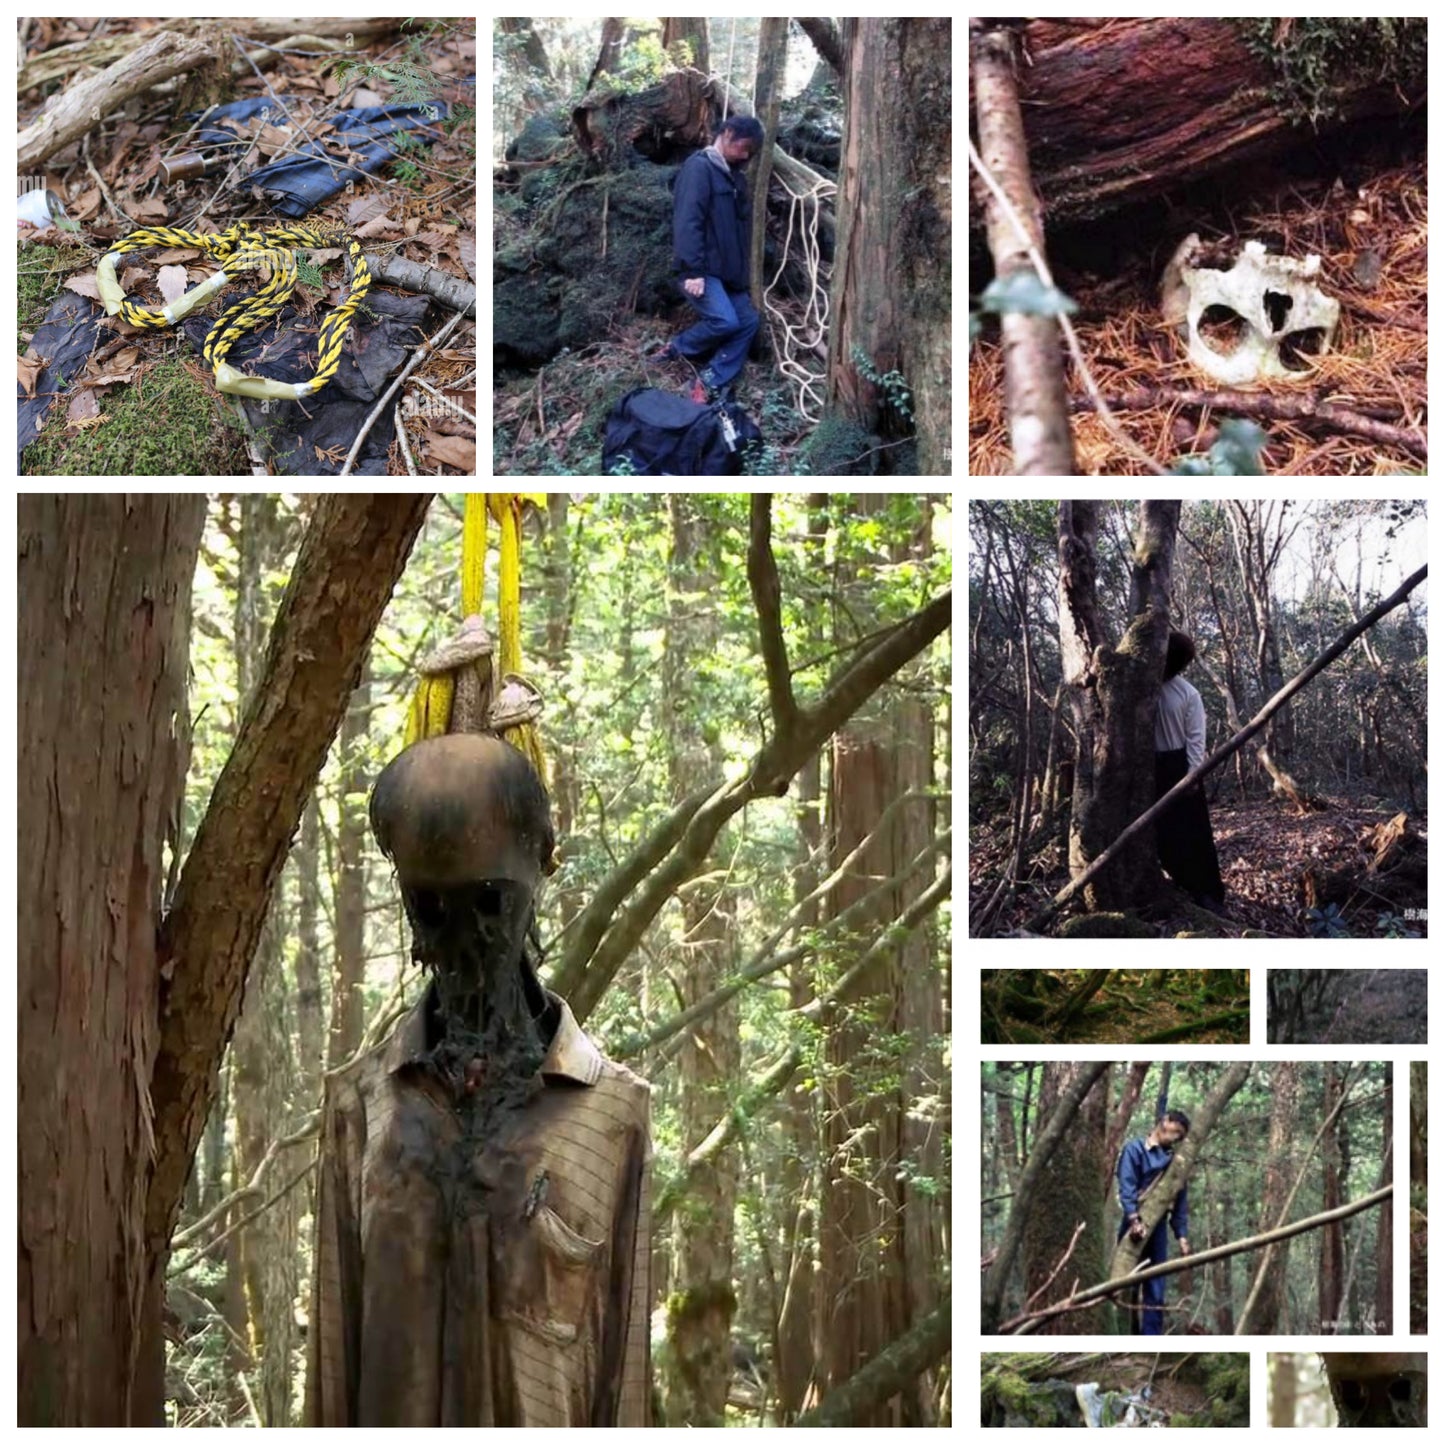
(1118,111)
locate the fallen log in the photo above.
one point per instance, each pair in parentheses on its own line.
(451,291)
(76,110)
(1117,111)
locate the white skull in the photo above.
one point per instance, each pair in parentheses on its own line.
(1273,297)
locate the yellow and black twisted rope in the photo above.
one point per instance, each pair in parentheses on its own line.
(237,249)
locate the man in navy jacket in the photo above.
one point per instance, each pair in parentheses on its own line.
(712,234)
(1141,1163)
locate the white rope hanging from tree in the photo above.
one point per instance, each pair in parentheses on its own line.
(792,343)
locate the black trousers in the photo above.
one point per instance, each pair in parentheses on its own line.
(1186,839)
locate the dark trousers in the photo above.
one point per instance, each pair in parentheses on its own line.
(1156,1251)
(1186,839)
(725,332)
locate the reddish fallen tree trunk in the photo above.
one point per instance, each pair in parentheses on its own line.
(1117,111)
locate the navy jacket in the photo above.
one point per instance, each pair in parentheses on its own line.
(1140,1166)
(711,222)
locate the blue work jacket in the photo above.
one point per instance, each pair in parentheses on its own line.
(1139,1167)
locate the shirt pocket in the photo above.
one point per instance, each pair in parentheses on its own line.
(549,1283)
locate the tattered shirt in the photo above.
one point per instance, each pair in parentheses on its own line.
(530,1310)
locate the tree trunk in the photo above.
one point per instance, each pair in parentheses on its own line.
(794,1357)
(310,1016)
(1072,1189)
(826,41)
(103,735)
(262,1068)
(1383,1323)
(353,552)
(873,1285)
(1211,104)
(767,91)
(348,1021)
(1046,1143)
(609,49)
(1283,1122)
(694,32)
(530,58)
(1114,692)
(701,1302)
(891,298)
(1332,1237)
(1284,1390)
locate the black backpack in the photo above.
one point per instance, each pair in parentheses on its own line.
(662,435)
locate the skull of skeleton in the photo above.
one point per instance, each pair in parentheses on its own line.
(1258,318)
(1378,1389)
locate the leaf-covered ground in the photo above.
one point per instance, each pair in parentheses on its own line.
(1265,850)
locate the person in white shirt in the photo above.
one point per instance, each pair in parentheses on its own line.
(1186,838)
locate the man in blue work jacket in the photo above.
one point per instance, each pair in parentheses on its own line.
(1140,1165)
(712,235)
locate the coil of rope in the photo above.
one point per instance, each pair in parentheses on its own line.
(239,249)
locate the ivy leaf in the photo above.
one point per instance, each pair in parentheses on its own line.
(1025,292)
(1237,451)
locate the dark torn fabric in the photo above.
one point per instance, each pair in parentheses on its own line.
(503,1283)
(312,438)
(1184,833)
(354,147)
(65,339)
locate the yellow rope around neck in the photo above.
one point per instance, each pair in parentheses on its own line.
(431,705)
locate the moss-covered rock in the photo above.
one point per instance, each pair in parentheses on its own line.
(1105,925)
(524,320)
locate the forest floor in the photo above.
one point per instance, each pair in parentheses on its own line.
(1183,1391)
(1265,852)
(1127,1009)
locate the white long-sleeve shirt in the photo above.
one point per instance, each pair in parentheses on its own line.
(1179,723)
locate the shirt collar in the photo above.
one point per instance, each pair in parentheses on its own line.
(572,1055)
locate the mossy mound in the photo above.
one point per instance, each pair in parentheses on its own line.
(1105,925)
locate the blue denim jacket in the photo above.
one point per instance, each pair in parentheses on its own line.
(1139,1167)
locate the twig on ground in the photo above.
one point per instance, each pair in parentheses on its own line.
(460,410)
(423,352)
(401,437)
(100,181)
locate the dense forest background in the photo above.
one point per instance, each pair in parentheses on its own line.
(851,249)
(1349,1006)
(1271,1145)
(1320,818)
(778,970)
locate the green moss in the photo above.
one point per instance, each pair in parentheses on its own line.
(702,1300)
(1105,925)
(164,423)
(835,449)
(1317,60)
(41,271)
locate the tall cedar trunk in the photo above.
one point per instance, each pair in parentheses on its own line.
(767,91)
(1332,1236)
(263,1085)
(1120,110)
(354,549)
(559,588)
(693,31)
(794,1354)
(1218,1215)
(1278,1180)
(1113,692)
(530,58)
(1284,1390)
(1071,1190)
(347,1020)
(870,1282)
(1258,553)
(1419,1127)
(102,734)
(891,295)
(1385,1229)
(310,1008)
(701,1302)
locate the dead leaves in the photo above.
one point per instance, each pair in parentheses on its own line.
(455,452)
